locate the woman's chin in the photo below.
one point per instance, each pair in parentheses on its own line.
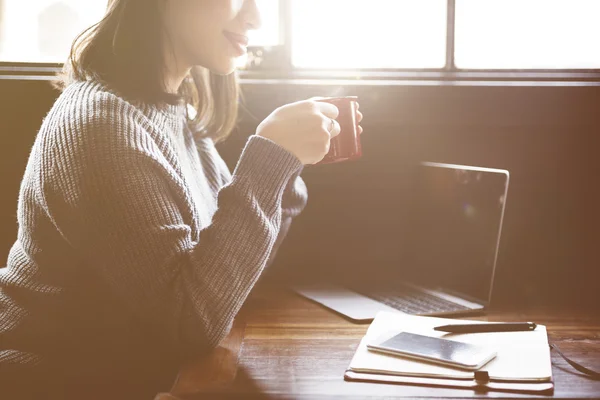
(226,67)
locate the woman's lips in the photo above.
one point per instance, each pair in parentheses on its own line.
(238,42)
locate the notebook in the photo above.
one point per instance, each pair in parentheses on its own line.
(522,357)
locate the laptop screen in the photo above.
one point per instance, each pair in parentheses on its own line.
(455,228)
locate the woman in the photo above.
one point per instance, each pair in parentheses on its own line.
(136,246)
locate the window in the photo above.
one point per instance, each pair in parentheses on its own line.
(527,34)
(418,34)
(43,30)
(343,34)
(373,36)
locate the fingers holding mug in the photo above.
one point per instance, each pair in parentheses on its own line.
(330,112)
(345,142)
(359,118)
(334,128)
(327,109)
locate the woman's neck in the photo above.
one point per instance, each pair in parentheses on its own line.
(173,81)
(175,73)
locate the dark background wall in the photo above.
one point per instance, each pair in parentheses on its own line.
(547,136)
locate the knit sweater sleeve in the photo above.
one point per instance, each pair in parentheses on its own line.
(116,199)
(294,197)
(293,203)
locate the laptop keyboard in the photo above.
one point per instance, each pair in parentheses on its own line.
(412,301)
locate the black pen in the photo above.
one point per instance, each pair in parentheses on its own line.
(488,327)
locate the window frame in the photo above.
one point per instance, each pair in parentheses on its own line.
(276,65)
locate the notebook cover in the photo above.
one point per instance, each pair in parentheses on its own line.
(523,357)
(546,388)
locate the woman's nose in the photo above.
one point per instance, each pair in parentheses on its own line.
(253,20)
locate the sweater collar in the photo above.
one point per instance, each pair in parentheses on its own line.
(170,117)
(165,116)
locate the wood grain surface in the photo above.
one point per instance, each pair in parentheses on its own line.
(284,346)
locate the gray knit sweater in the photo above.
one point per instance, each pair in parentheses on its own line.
(134,236)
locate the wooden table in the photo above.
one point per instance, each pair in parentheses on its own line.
(283,346)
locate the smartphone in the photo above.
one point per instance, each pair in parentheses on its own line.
(439,351)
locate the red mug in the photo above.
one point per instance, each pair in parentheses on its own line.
(346,145)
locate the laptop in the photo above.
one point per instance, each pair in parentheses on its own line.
(450,250)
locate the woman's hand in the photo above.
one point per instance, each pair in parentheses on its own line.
(304,128)
(359,115)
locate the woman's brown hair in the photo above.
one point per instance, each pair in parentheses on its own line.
(125,51)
